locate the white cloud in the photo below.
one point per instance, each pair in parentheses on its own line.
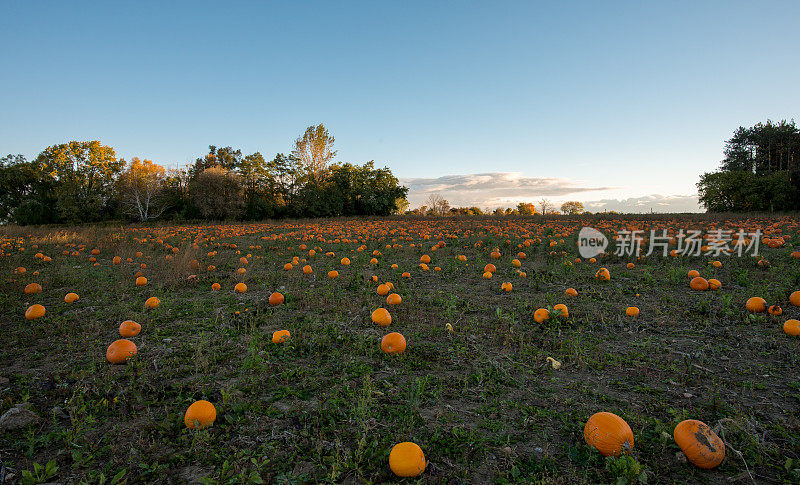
(492,189)
(648,203)
(506,189)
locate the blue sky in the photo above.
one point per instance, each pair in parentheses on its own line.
(625,103)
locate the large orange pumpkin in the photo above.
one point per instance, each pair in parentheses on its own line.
(794,298)
(33,288)
(151,303)
(699,283)
(541,315)
(609,434)
(129,328)
(120,351)
(34,311)
(200,414)
(280,336)
(275,299)
(792,327)
(407,459)
(699,443)
(240,288)
(756,304)
(382,317)
(393,343)
(394,299)
(71,297)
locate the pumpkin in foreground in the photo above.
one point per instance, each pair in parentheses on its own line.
(382,317)
(393,343)
(120,351)
(407,459)
(699,443)
(129,328)
(609,434)
(201,414)
(280,336)
(34,311)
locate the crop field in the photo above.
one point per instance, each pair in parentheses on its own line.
(496,383)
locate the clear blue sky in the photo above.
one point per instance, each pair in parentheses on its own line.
(635,95)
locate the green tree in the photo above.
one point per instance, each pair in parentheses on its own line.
(217,193)
(572,207)
(759,172)
(83,175)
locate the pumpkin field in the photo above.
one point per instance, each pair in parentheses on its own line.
(438,350)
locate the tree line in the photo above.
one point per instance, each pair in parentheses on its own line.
(84,181)
(760,171)
(436,205)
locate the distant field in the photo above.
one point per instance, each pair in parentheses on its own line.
(479,395)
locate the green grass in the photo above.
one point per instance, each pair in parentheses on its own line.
(482,401)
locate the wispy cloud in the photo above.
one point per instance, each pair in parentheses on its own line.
(492,189)
(506,189)
(648,203)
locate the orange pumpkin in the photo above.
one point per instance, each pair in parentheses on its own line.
(240,288)
(275,299)
(603,274)
(792,327)
(71,297)
(694,273)
(382,317)
(34,311)
(393,343)
(394,299)
(561,310)
(794,298)
(714,284)
(775,310)
(120,351)
(141,281)
(609,434)
(506,287)
(201,414)
(571,292)
(215,286)
(383,289)
(699,283)
(333,274)
(151,303)
(129,328)
(699,443)
(541,315)
(307,269)
(280,336)
(756,304)
(407,459)
(33,288)
(632,311)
